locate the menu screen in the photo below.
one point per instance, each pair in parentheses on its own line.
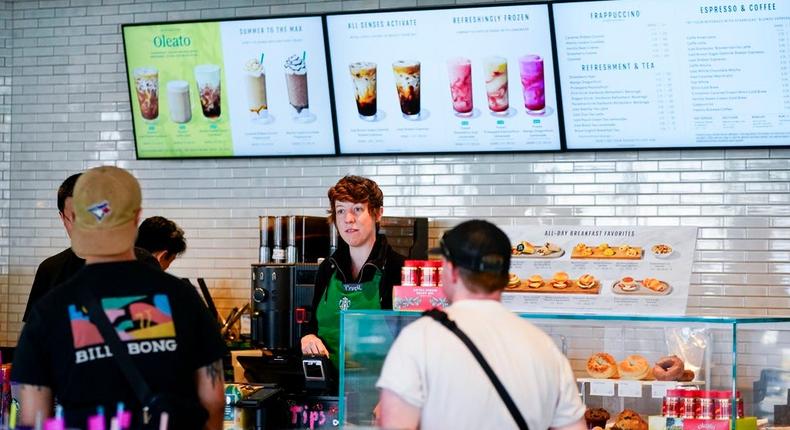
(233,88)
(455,80)
(674,73)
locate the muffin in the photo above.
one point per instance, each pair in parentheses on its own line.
(596,417)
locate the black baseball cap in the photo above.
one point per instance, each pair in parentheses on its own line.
(476,245)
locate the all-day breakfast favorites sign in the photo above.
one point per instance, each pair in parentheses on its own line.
(600,270)
(235,88)
(459,80)
(674,73)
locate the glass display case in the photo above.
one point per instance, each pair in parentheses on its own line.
(749,358)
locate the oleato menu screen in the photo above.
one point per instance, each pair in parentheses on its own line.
(233,88)
(674,73)
(459,80)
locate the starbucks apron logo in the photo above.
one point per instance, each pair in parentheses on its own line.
(344,304)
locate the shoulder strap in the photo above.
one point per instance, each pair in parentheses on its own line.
(442,318)
(118,349)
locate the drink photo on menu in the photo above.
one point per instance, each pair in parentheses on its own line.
(296,80)
(363,75)
(255,90)
(207,77)
(407,84)
(459,70)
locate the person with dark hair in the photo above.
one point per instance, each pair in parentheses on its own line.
(360,274)
(162,238)
(432,380)
(115,317)
(61,266)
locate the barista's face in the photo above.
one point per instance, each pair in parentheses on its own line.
(357,226)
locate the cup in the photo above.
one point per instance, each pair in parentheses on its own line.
(296,81)
(146,81)
(178,100)
(255,88)
(363,74)
(407,82)
(208,83)
(495,69)
(532,82)
(460,71)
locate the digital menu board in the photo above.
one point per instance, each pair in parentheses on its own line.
(230,88)
(674,73)
(477,79)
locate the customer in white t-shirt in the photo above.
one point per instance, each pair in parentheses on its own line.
(431,380)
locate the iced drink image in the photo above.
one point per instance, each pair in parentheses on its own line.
(364,76)
(460,71)
(495,69)
(178,100)
(208,84)
(255,87)
(531,70)
(407,82)
(296,81)
(146,81)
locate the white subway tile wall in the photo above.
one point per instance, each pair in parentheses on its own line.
(65,107)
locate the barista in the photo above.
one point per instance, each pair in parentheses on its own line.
(361,272)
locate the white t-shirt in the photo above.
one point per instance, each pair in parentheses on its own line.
(429,367)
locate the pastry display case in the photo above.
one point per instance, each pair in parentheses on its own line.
(649,365)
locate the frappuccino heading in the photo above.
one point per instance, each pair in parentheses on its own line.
(615,14)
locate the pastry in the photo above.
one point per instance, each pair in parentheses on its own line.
(661,249)
(668,368)
(535,281)
(513,281)
(608,252)
(687,376)
(586,282)
(596,417)
(632,252)
(602,365)
(654,284)
(602,246)
(580,247)
(629,420)
(560,280)
(628,284)
(635,367)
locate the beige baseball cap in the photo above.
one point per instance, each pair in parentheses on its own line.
(106,204)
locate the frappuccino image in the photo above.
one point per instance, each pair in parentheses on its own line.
(363,74)
(296,81)
(146,81)
(495,69)
(407,82)
(255,89)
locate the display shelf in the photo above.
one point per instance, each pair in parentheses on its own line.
(725,353)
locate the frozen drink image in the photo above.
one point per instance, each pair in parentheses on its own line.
(146,81)
(364,76)
(407,82)
(495,69)
(255,87)
(178,100)
(208,80)
(296,81)
(460,71)
(531,70)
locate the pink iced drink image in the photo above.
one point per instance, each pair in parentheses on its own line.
(496,84)
(460,71)
(531,70)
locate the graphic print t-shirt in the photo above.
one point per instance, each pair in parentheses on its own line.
(160,319)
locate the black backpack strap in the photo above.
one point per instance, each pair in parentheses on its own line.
(118,349)
(442,318)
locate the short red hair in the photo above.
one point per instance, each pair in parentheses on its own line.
(356,189)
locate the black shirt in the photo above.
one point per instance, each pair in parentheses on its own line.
(163,323)
(60,267)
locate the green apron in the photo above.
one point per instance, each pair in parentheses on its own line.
(342,297)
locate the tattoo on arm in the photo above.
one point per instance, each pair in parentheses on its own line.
(214,372)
